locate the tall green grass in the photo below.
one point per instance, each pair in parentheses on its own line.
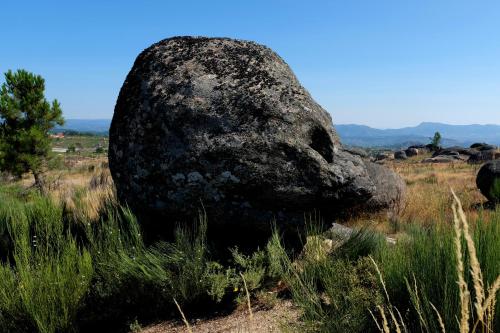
(69,267)
(422,270)
(45,274)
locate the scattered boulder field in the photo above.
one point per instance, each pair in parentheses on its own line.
(476,153)
(487,179)
(225,126)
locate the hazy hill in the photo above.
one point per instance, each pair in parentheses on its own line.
(361,135)
(86,125)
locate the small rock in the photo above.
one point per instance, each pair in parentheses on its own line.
(400,155)
(411,152)
(384,156)
(442,159)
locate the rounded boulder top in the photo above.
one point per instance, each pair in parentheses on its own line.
(225,125)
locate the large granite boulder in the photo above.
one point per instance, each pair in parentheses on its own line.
(488,181)
(225,125)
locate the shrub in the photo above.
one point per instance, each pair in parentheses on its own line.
(335,291)
(55,162)
(254,268)
(71,149)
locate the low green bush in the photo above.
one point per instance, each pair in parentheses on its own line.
(55,162)
(335,292)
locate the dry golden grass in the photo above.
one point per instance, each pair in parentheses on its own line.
(98,191)
(484,305)
(86,178)
(428,189)
(428,197)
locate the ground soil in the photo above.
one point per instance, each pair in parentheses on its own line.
(277,319)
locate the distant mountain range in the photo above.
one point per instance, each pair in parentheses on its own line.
(360,135)
(462,135)
(98,126)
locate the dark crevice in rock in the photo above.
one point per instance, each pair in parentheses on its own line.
(321,142)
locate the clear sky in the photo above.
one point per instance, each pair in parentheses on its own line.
(374,62)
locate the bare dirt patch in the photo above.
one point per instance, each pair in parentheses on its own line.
(272,320)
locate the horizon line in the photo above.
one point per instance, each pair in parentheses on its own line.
(350,124)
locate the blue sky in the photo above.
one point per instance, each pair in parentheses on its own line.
(379,63)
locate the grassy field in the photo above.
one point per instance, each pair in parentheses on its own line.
(76,262)
(72,146)
(84,141)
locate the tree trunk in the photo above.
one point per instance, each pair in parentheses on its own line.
(40,182)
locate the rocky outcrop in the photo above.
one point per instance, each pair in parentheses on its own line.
(422,149)
(455,151)
(225,125)
(400,155)
(488,181)
(383,156)
(478,153)
(410,152)
(443,159)
(483,146)
(484,155)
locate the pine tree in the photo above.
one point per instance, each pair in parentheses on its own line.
(26,118)
(436,141)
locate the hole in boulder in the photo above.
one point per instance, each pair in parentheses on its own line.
(322,143)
